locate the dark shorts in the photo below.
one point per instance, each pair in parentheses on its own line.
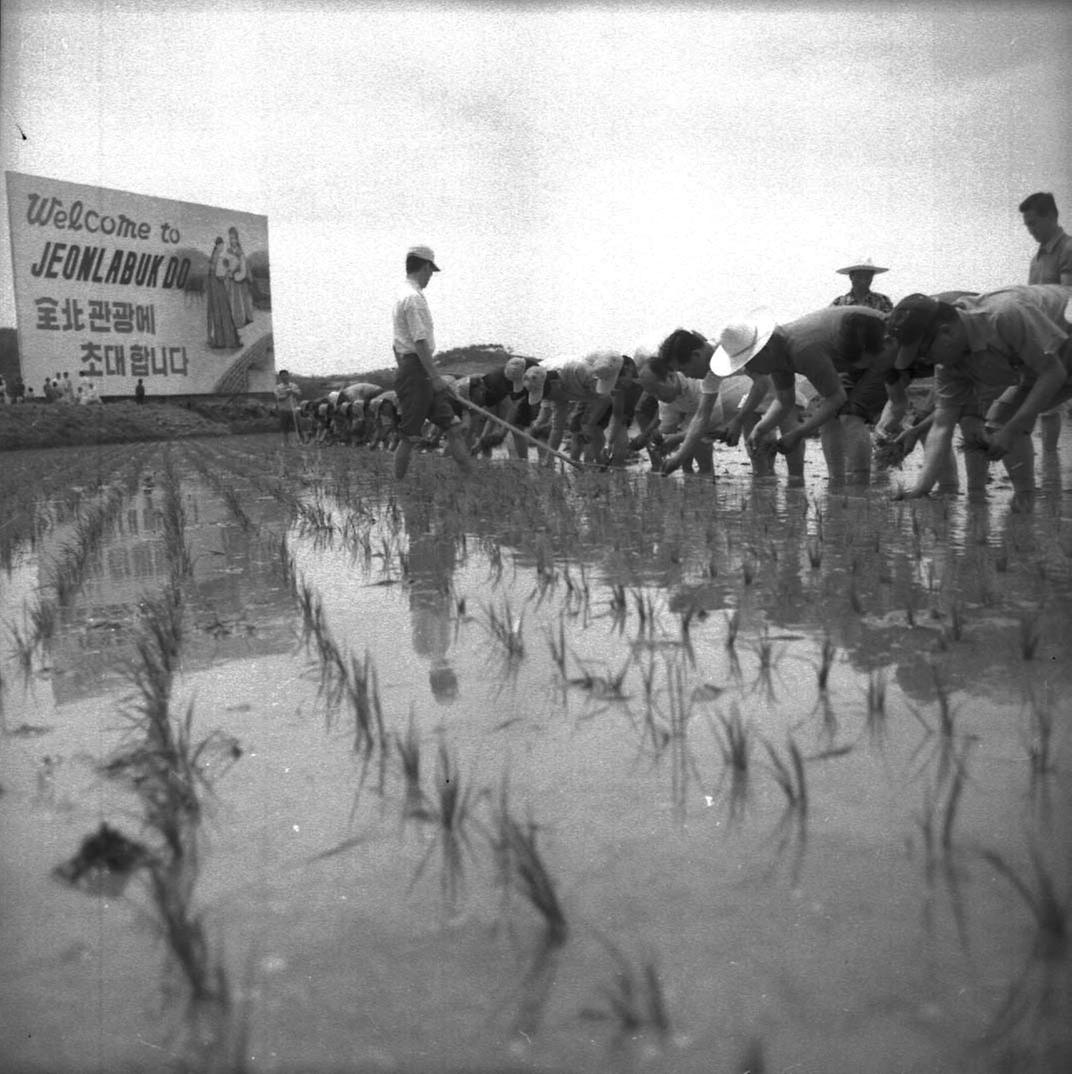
(418,401)
(286,420)
(866,390)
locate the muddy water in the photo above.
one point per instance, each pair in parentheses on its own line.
(867,892)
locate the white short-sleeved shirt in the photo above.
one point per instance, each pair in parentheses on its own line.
(412,320)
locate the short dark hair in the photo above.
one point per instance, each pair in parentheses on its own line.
(659,366)
(415,263)
(677,348)
(1040,202)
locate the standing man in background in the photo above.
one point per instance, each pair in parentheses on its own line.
(423,394)
(860,294)
(1052,263)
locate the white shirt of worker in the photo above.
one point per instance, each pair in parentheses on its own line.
(412,320)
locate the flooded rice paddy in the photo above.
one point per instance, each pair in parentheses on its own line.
(305,771)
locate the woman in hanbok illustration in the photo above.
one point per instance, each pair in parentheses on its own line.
(222,333)
(238,287)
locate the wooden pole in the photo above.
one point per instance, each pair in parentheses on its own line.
(519,432)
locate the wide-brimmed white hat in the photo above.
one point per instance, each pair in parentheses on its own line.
(514,371)
(742,340)
(862,266)
(606,365)
(533,381)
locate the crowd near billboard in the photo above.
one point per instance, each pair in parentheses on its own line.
(122,287)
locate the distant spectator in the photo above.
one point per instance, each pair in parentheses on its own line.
(860,294)
(3,392)
(67,387)
(30,397)
(139,392)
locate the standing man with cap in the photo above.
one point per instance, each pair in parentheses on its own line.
(423,393)
(860,294)
(1014,339)
(1052,263)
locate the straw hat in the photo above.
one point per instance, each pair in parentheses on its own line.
(862,266)
(742,340)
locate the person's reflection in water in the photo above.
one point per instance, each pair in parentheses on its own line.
(429,574)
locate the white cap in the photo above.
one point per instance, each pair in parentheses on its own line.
(425,253)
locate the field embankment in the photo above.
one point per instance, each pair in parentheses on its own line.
(42,425)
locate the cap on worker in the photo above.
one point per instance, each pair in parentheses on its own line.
(742,340)
(533,381)
(425,253)
(606,365)
(912,318)
(514,370)
(865,265)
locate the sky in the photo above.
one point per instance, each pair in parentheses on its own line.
(589,175)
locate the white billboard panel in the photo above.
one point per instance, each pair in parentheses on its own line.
(120,287)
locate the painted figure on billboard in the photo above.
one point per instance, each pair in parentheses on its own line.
(122,287)
(222,334)
(238,287)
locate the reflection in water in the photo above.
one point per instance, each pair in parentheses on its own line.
(429,573)
(740,725)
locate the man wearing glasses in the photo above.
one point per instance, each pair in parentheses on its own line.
(1012,344)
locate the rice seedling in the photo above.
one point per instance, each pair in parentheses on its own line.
(24,646)
(521,869)
(767,657)
(1049,911)
(634,1002)
(362,693)
(855,602)
(450,811)
(956,787)
(558,647)
(409,753)
(748,570)
(645,609)
(733,626)
(956,621)
(1039,735)
(826,661)
(734,738)
(876,704)
(507,629)
(1030,633)
(790,776)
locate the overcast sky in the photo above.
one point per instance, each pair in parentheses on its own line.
(589,176)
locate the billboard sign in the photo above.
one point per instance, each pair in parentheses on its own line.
(122,287)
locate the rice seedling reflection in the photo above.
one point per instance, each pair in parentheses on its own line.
(450,813)
(633,1003)
(1028,1023)
(734,738)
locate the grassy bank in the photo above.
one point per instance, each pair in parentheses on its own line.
(42,425)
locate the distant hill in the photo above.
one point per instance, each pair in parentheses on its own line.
(474,360)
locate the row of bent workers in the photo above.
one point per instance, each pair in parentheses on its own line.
(998,360)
